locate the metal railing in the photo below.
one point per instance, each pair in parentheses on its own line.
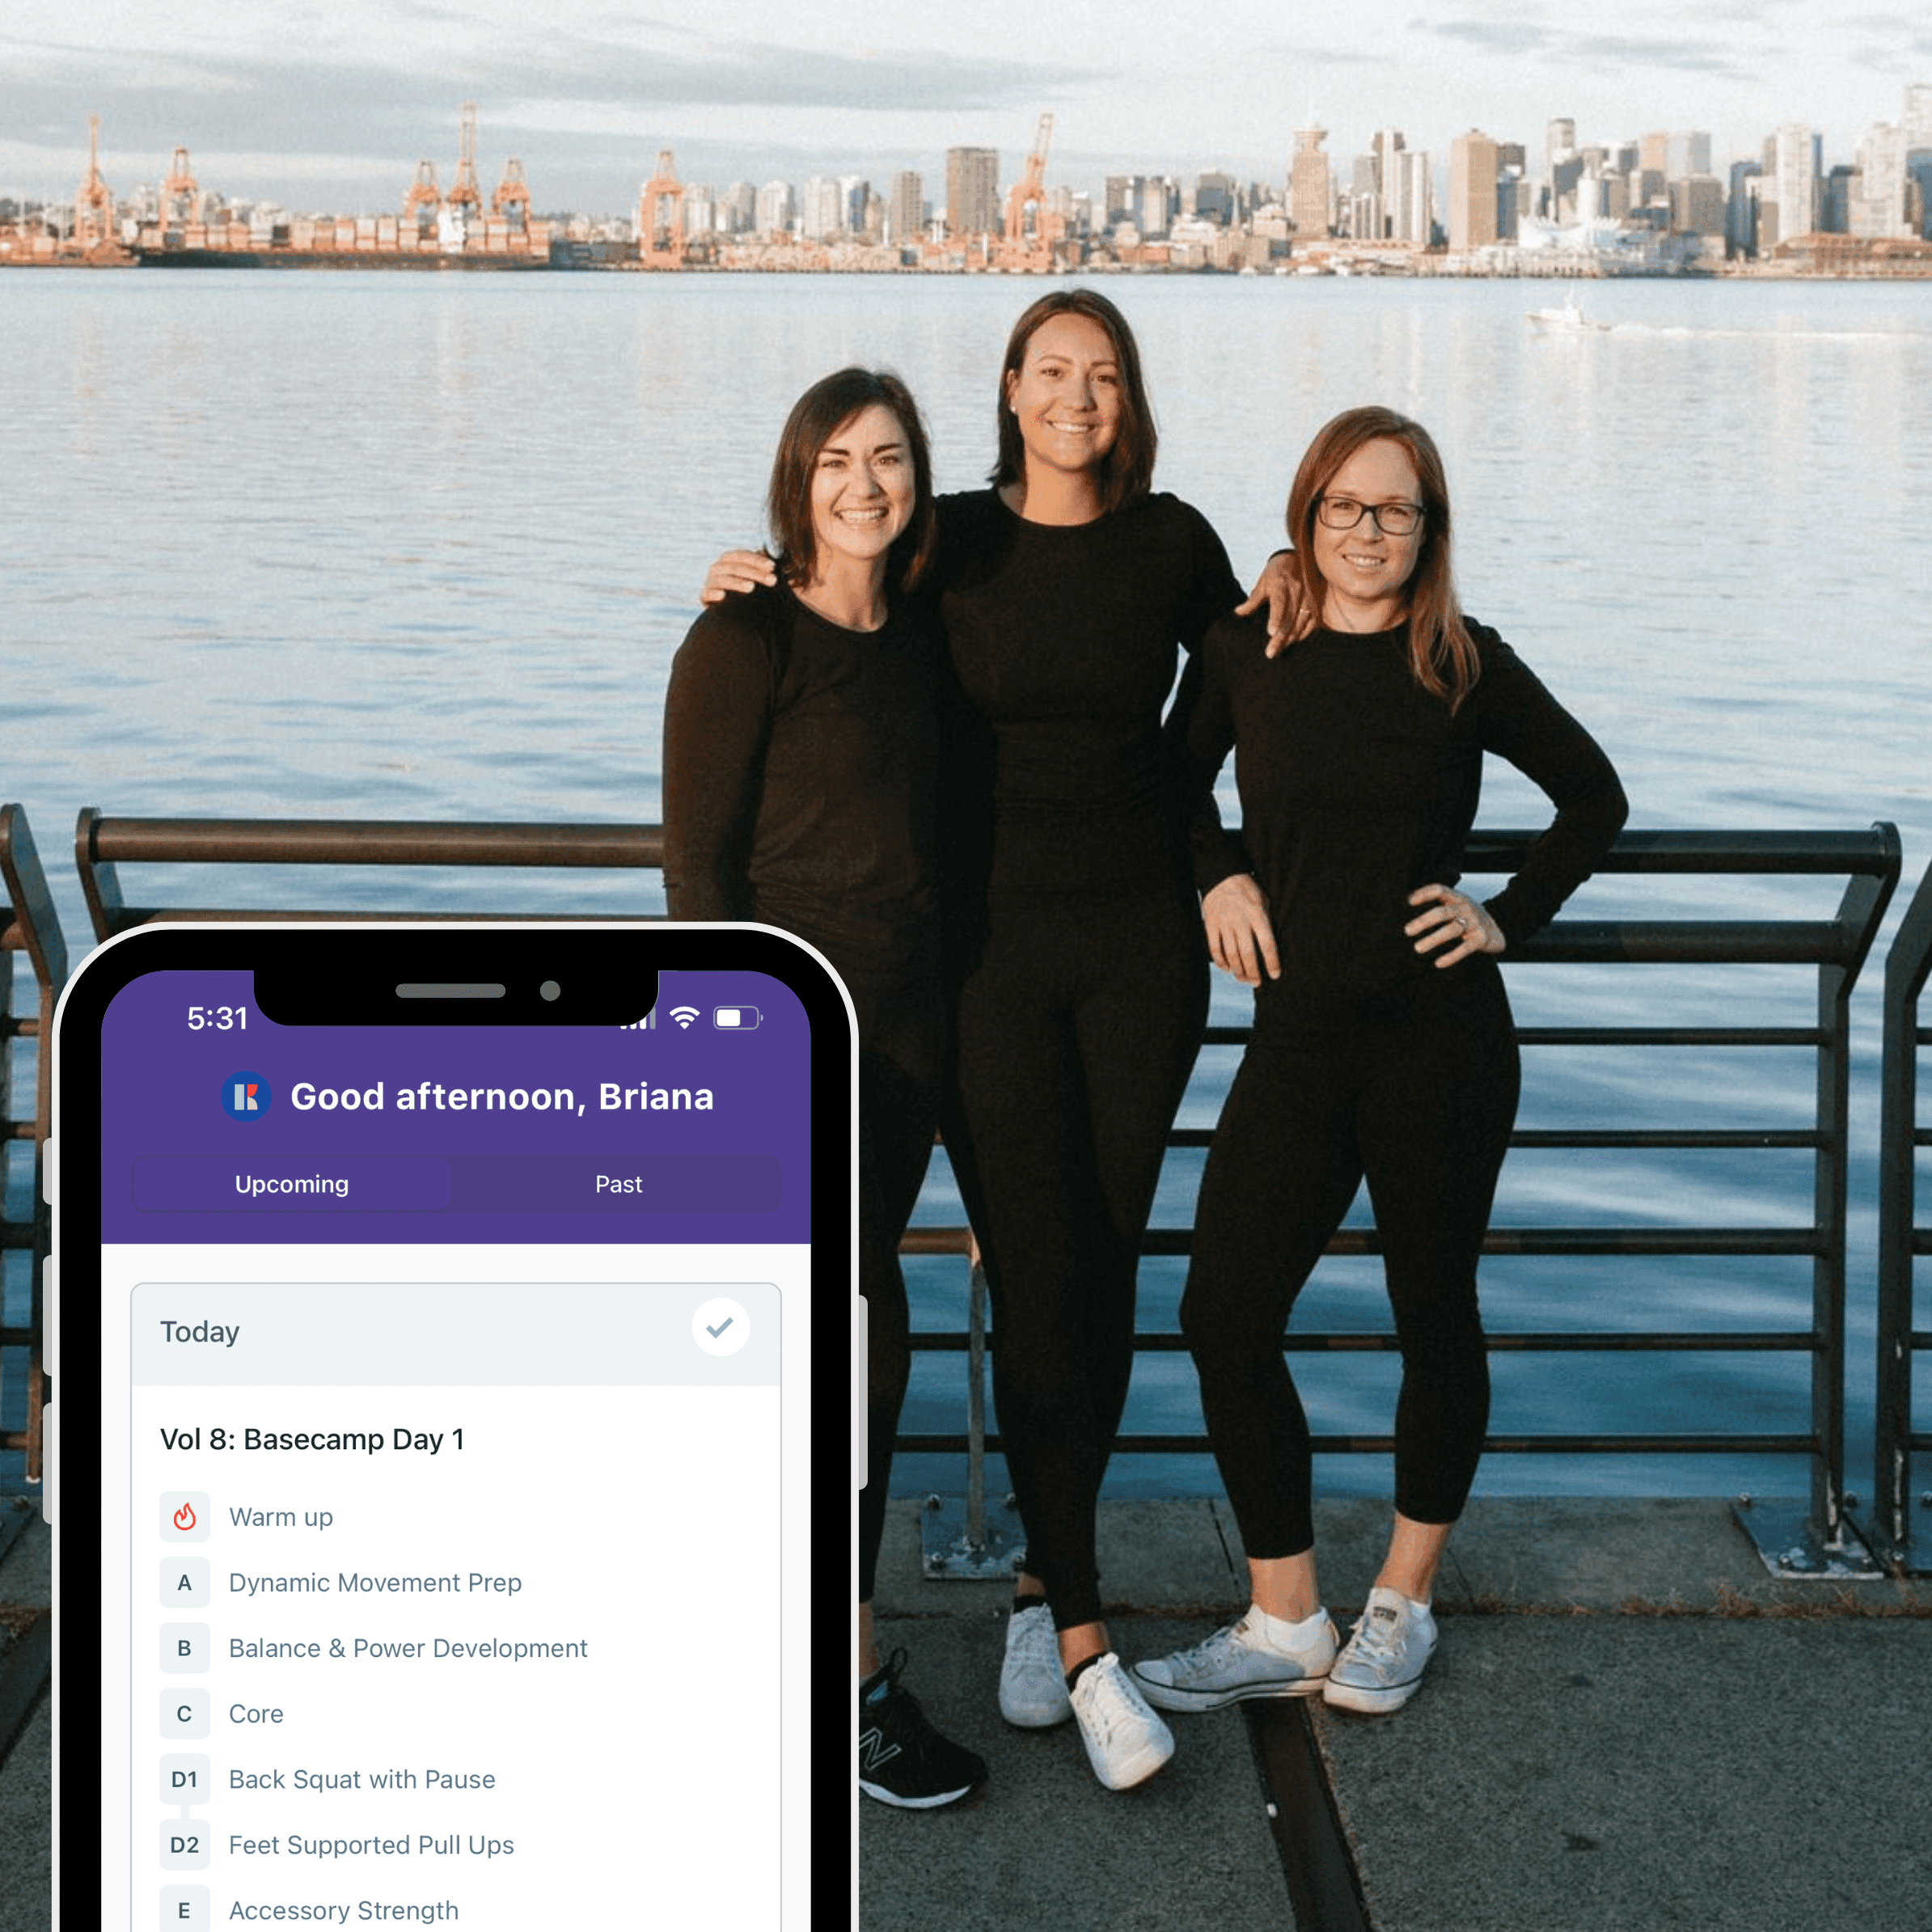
(102,845)
(1900,1239)
(1813,1539)
(1833,948)
(32,930)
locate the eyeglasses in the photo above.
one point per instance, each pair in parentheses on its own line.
(1392,519)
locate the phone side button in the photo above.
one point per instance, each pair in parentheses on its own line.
(50,1327)
(861,1332)
(47,1170)
(49,1460)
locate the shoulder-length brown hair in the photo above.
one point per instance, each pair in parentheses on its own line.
(816,418)
(1127,470)
(1442,654)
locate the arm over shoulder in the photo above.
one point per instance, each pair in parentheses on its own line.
(1202,736)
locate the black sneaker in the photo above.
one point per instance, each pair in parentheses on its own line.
(903,1760)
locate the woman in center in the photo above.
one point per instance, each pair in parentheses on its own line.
(1382,1046)
(1064,590)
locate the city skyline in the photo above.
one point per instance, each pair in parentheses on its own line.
(587,97)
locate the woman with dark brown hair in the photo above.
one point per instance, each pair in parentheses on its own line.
(1074,943)
(1382,1047)
(799,745)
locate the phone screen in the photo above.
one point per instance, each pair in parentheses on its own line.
(445,1352)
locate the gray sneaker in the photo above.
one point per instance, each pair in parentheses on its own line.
(1382,1664)
(1032,1688)
(1234,1663)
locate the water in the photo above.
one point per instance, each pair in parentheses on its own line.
(422,546)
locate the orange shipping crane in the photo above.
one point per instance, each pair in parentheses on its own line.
(511,201)
(93,204)
(180,188)
(467,194)
(1022,252)
(666,251)
(425,199)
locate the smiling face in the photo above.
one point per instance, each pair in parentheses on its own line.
(1066,395)
(863,490)
(1364,571)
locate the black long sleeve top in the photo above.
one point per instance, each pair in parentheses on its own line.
(800,764)
(1062,641)
(1357,786)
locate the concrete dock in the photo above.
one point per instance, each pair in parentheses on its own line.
(26,1722)
(1630,1723)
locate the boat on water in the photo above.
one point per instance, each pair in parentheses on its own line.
(1566,320)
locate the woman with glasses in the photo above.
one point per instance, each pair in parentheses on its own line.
(1382,1046)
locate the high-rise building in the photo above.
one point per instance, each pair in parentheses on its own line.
(821,209)
(737,209)
(1385,147)
(1915,129)
(1410,207)
(1877,200)
(972,191)
(1915,118)
(1835,194)
(1794,180)
(1124,198)
(906,211)
(1216,197)
(1740,207)
(855,196)
(1309,194)
(1472,191)
(777,209)
(1697,206)
(1684,155)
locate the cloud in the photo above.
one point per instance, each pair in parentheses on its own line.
(1592,52)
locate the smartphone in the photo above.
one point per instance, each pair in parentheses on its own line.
(429,1335)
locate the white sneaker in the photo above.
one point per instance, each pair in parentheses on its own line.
(1032,1688)
(1381,1665)
(1126,1743)
(1236,1663)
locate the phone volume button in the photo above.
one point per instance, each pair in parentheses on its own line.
(50,1328)
(47,1170)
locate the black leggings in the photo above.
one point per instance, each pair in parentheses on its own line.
(1075,1034)
(899,1107)
(1417,1091)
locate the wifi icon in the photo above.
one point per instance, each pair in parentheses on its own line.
(684,1015)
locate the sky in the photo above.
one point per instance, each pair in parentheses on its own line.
(328,107)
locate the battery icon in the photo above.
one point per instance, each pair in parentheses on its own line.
(734,1018)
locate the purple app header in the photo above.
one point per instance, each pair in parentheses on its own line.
(218,1126)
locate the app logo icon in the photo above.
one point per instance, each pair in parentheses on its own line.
(245,1097)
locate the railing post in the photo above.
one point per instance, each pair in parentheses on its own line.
(970,1546)
(1900,1138)
(31,926)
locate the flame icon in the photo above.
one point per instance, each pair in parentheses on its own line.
(184,1518)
